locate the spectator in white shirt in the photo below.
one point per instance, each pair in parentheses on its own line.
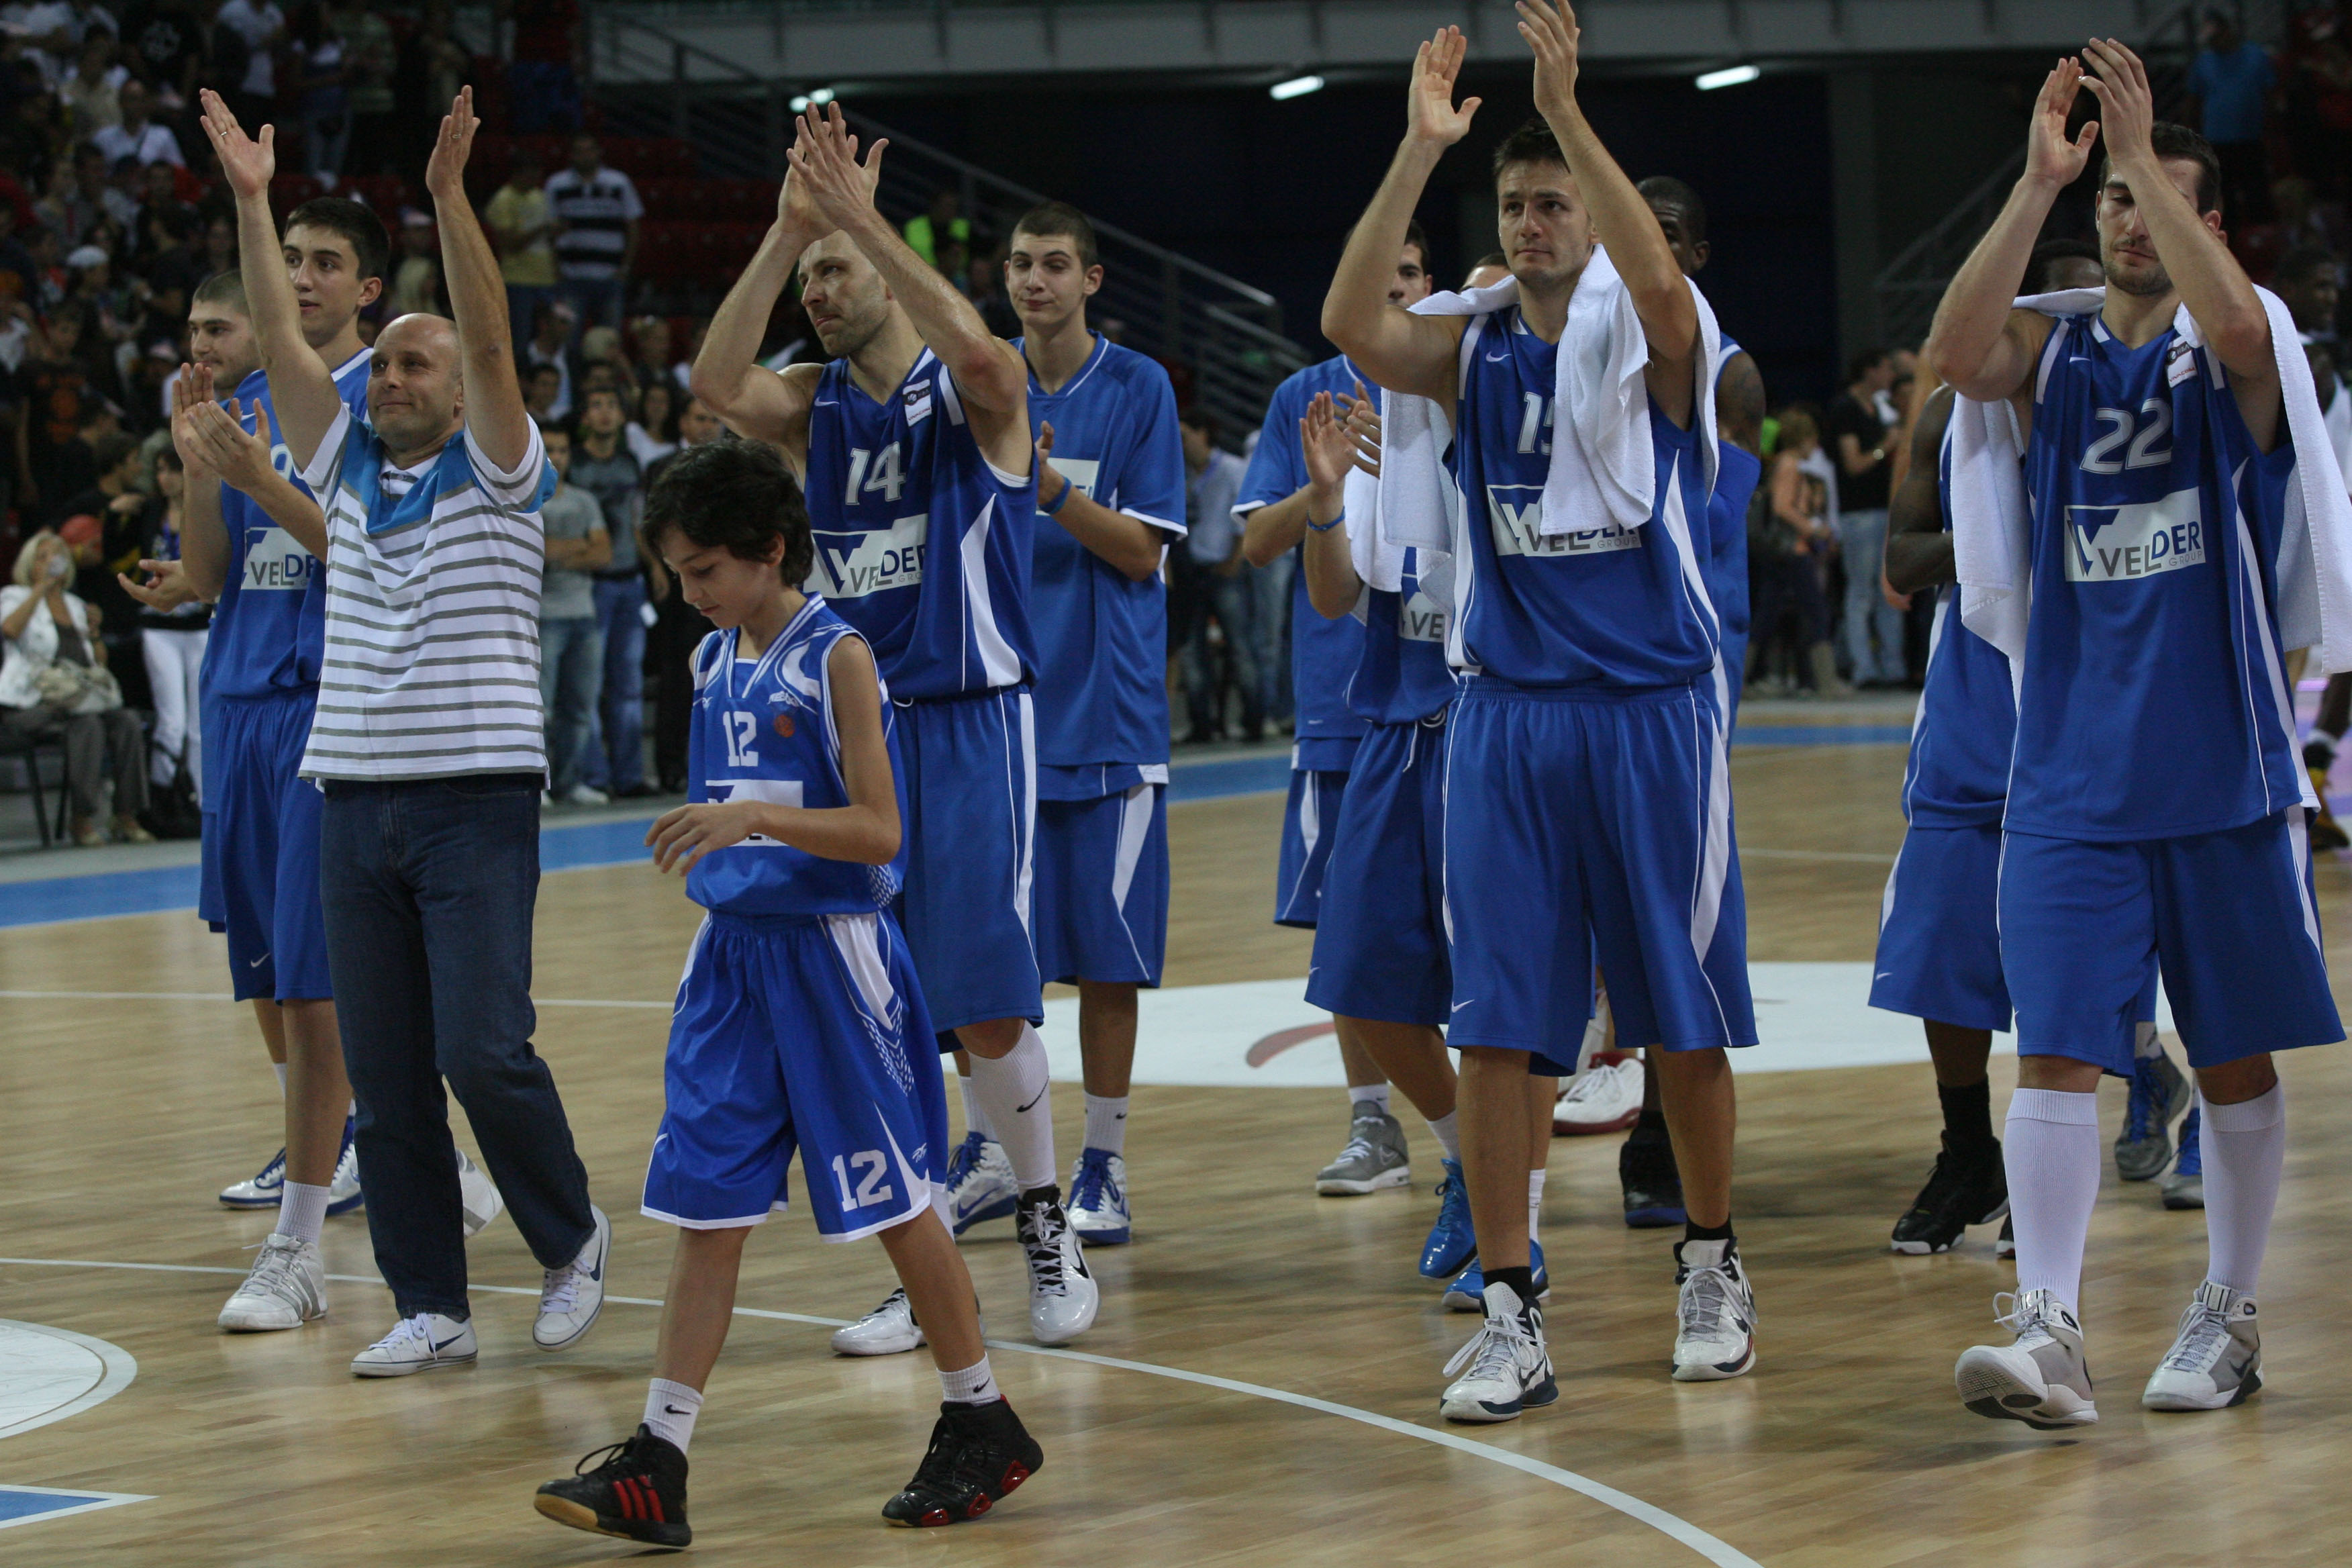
(137,136)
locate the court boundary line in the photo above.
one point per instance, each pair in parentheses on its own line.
(1674,1527)
(121,1368)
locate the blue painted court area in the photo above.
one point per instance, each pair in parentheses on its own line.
(25,1505)
(574,847)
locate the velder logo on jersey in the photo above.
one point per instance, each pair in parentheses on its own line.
(850,565)
(1516,511)
(2138,539)
(273,563)
(1421,618)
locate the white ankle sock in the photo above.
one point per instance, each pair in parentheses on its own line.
(2051,1150)
(1535,1204)
(2245,1150)
(302,1211)
(1015,1092)
(975,1384)
(671,1410)
(279,1067)
(1378,1093)
(1107,1123)
(1448,1136)
(975,1119)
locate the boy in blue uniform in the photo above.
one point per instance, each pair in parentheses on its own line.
(914,447)
(1323,655)
(799,1025)
(2155,802)
(1111,480)
(1588,805)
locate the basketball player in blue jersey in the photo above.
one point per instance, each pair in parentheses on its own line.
(914,447)
(1588,807)
(1111,480)
(1323,655)
(2155,814)
(799,1027)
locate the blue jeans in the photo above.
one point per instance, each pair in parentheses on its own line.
(1230,600)
(1862,542)
(427,887)
(523,300)
(1270,629)
(616,756)
(570,671)
(596,300)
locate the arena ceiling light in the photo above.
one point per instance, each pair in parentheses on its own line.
(1296,86)
(802,101)
(1730,76)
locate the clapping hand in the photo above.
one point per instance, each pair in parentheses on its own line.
(1553,35)
(166,588)
(824,156)
(1430,114)
(1364,430)
(2049,154)
(1329,450)
(241,460)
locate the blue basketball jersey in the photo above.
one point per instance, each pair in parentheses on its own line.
(2154,702)
(1612,607)
(1737,472)
(764,730)
(1402,676)
(1323,654)
(1957,772)
(1102,637)
(922,545)
(269,630)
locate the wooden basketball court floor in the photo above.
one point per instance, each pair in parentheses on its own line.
(1261,1386)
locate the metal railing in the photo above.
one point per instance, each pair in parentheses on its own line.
(1910,286)
(647,83)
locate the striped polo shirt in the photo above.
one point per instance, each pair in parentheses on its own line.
(433,580)
(595,211)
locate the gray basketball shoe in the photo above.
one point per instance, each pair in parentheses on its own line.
(2217,1359)
(2159,1093)
(2040,1379)
(1374,1157)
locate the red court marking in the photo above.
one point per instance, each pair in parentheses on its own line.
(1281,1041)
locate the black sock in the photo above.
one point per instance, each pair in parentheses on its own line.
(1693,1231)
(1522,1281)
(1968,1115)
(1051,1193)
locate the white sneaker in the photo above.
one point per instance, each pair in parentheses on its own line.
(2216,1360)
(1063,1297)
(343,1193)
(586,794)
(262,1190)
(1509,1370)
(1717,1336)
(573,1295)
(424,1343)
(477,1194)
(286,1288)
(2041,1379)
(1604,1097)
(887,1329)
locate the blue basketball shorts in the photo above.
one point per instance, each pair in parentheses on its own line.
(1380,947)
(1939,930)
(258,882)
(1102,887)
(2228,918)
(1307,818)
(1583,827)
(972,808)
(803,1034)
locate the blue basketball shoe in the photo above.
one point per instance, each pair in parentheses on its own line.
(1452,1243)
(1097,1207)
(262,1190)
(1468,1293)
(979,1184)
(2159,1091)
(2185,1188)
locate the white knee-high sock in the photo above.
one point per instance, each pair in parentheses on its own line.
(975,1119)
(1013,1092)
(2244,1148)
(2050,1149)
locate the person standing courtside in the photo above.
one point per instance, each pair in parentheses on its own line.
(1323,655)
(913,446)
(1861,440)
(428,838)
(2176,514)
(1587,801)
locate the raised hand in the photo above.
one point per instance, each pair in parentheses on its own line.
(1552,34)
(825,155)
(2127,105)
(2049,156)
(241,460)
(1429,112)
(249,164)
(193,389)
(1364,430)
(797,215)
(1323,438)
(445,172)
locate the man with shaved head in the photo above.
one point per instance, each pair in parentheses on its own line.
(428,745)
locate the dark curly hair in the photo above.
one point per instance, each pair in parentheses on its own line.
(735,495)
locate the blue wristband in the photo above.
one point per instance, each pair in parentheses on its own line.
(1327,526)
(1059,502)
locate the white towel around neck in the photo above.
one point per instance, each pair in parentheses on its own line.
(1992,525)
(1603,469)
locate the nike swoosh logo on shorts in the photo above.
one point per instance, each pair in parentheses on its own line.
(1497,359)
(257,963)
(1459,1006)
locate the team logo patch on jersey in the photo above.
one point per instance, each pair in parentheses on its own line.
(852,565)
(2138,539)
(1516,514)
(1421,618)
(273,563)
(918,399)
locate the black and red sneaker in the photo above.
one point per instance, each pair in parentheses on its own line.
(636,1490)
(977,1453)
